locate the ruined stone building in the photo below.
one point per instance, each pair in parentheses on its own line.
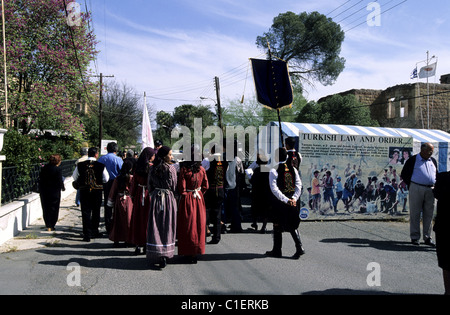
(409,105)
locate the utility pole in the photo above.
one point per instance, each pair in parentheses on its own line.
(219,107)
(100,109)
(4,64)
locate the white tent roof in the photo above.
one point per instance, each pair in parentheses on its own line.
(419,135)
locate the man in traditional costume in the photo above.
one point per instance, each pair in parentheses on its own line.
(286,187)
(215,194)
(90,175)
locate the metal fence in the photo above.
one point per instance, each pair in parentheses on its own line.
(12,189)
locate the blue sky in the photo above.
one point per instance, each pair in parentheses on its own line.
(173,49)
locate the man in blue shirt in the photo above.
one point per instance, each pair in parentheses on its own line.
(113,165)
(419,173)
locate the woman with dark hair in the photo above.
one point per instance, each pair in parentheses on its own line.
(120,199)
(191,224)
(286,187)
(162,219)
(141,200)
(51,183)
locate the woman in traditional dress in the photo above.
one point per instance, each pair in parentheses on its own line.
(121,200)
(162,220)
(50,185)
(286,187)
(191,224)
(141,201)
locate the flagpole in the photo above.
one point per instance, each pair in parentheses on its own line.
(278,110)
(428,93)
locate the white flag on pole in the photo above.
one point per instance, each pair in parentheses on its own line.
(147,135)
(428,71)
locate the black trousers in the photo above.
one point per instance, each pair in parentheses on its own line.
(91,202)
(50,208)
(214,202)
(108,210)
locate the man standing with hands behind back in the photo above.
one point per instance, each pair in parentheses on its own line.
(419,173)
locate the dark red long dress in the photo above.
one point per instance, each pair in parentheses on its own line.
(122,203)
(141,208)
(191,224)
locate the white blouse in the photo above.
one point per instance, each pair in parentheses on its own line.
(273,176)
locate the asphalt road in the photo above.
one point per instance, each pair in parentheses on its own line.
(342,258)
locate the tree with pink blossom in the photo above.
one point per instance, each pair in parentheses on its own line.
(48,61)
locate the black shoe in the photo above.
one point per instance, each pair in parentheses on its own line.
(274,253)
(415,242)
(430,242)
(300,251)
(298,244)
(86,239)
(162,262)
(213,242)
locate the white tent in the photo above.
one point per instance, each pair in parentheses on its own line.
(438,138)
(375,155)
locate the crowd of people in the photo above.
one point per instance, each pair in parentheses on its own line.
(153,202)
(387,194)
(156,204)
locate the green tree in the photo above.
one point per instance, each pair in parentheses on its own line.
(165,125)
(122,116)
(248,113)
(337,109)
(184,115)
(309,42)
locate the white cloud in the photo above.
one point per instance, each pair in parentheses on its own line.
(173,64)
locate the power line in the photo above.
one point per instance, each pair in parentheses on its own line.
(381,13)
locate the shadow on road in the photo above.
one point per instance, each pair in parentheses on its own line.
(386,245)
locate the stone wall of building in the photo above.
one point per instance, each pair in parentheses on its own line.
(405,105)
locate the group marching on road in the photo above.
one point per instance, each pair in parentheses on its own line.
(157,205)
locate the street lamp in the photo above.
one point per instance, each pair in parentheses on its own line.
(218,109)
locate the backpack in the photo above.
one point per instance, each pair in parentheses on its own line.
(88,179)
(91,181)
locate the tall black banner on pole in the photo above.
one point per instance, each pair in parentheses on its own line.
(273,85)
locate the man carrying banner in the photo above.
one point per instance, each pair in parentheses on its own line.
(286,187)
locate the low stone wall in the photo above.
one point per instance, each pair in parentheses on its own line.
(18,215)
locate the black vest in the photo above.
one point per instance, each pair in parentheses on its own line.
(216,173)
(85,180)
(286,180)
(294,159)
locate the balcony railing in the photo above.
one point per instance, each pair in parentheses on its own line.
(12,189)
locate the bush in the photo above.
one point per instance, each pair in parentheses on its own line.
(20,151)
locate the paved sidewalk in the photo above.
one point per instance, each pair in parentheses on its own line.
(69,227)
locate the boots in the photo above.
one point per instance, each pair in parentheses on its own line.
(298,244)
(277,242)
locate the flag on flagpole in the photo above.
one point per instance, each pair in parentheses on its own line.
(147,135)
(414,73)
(428,71)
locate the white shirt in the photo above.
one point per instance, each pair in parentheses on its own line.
(105,172)
(273,176)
